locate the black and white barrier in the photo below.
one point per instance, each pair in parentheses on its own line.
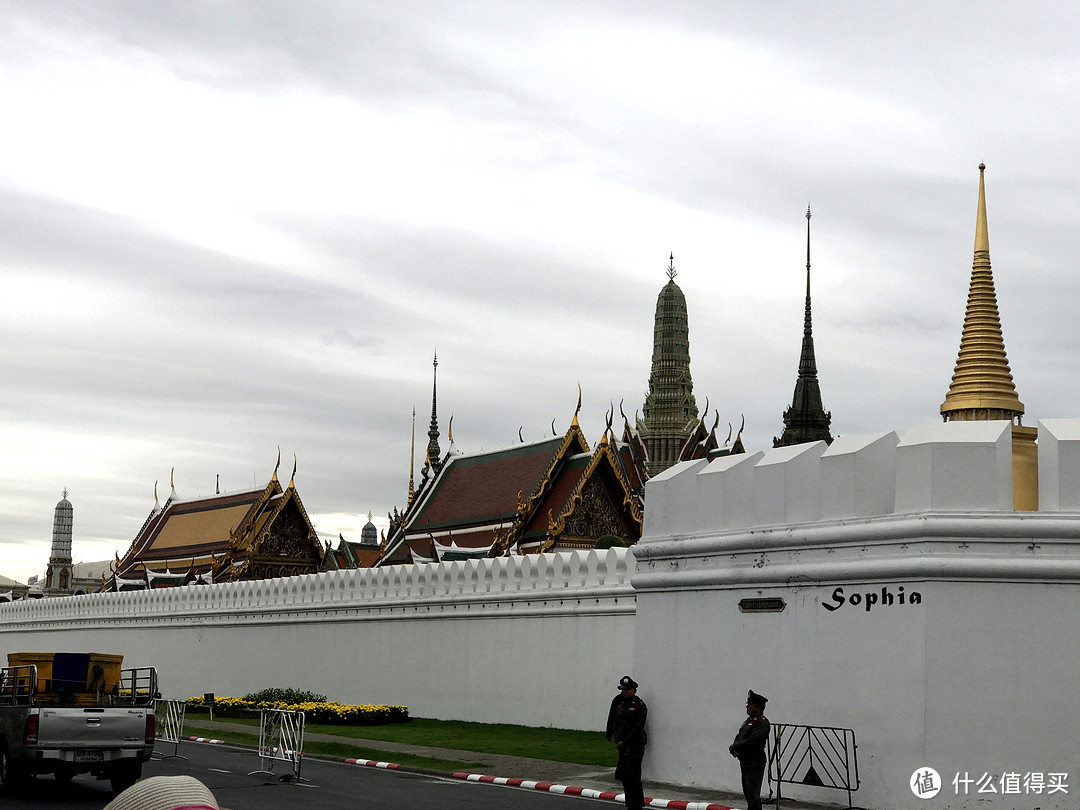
(169,716)
(281,739)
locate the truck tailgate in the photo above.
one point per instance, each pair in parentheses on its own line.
(112,727)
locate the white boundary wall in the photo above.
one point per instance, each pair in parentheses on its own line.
(977,675)
(534,640)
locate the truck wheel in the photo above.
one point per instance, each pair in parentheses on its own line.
(124,775)
(10,776)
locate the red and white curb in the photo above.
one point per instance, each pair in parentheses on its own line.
(205,740)
(529,784)
(390,766)
(588,793)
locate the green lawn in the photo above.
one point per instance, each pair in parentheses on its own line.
(558,745)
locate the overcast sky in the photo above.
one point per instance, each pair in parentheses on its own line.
(233,226)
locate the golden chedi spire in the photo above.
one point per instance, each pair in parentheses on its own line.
(982,385)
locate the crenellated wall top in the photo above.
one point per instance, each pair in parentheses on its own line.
(521,579)
(944,467)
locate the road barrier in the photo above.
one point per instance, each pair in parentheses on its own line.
(817,756)
(170,725)
(281,739)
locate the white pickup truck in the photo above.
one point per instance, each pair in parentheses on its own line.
(84,715)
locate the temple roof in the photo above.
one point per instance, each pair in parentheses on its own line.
(490,502)
(483,487)
(218,537)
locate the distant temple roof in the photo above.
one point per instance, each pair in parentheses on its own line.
(257,534)
(533,496)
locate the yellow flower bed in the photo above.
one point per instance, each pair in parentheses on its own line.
(329,712)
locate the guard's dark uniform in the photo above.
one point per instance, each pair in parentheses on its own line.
(749,747)
(626,726)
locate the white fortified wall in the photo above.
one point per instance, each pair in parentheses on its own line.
(533,640)
(918,609)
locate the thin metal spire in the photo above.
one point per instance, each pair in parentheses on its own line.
(808,362)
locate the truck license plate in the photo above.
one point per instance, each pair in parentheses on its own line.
(87,756)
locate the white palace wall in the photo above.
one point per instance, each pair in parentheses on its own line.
(533,640)
(920,610)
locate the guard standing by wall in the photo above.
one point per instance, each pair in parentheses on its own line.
(626,726)
(749,748)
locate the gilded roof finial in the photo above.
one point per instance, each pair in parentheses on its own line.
(578,409)
(671,267)
(293,476)
(982,386)
(277,464)
(982,236)
(450,430)
(412,455)
(172,484)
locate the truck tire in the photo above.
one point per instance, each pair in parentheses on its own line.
(124,775)
(10,776)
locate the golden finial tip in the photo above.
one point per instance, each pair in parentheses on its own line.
(982,167)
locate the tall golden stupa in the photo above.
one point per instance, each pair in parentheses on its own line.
(982,386)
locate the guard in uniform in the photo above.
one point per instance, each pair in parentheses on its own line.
(626,726)
(749,748)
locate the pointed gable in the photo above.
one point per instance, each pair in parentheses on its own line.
(601,503)
(276,540)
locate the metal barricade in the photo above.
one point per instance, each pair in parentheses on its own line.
(817,756)
(169,718)
(281,739)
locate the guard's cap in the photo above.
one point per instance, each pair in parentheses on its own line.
(627,683)
(755,699)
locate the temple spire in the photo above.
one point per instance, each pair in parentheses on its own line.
(806,420)
(434,453)
(670,410)
(982,385)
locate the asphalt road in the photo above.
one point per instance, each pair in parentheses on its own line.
(331,786)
